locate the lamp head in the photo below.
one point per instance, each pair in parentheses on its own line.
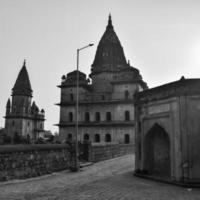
(91,44)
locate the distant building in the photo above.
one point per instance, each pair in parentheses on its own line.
(106,109)
(167,131)
(23,117)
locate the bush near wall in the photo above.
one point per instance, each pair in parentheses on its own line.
(24,161)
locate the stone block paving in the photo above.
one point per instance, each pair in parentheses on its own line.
(107,180)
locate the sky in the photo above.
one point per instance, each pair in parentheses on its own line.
(161,38)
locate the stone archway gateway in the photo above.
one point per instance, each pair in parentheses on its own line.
(157,152)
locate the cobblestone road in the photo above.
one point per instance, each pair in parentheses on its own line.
(111,179)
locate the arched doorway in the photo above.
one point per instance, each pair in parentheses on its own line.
(157,152)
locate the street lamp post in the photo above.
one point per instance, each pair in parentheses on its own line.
(77,107)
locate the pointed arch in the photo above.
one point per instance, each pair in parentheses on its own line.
(157,151)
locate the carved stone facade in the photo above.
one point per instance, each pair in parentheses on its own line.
(23,117)
(106,110)
(167,131)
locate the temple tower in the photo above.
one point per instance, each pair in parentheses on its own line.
(23,118)
(106,110)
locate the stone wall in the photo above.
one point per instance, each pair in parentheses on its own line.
(24,161)
(100,152)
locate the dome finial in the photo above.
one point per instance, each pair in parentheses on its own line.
(110,16)
(24,64)
(109,21)
(182,78)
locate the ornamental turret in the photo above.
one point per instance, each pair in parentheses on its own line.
(71,78)
(8,107)
(22,117)
(22,85)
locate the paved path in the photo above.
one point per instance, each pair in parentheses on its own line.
(107,180)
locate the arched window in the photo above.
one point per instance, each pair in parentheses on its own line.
(87,116)
(70,116)
(16,138)
(26,110)
(108,138)
(126,138)
(139,126)
(86,136)
(97,116)
(126,94)
(71,97)
(97,138)
(28,138)
(108,116)
(127,115)
(69,136)
(14,109)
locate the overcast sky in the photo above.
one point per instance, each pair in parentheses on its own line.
(160,37)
